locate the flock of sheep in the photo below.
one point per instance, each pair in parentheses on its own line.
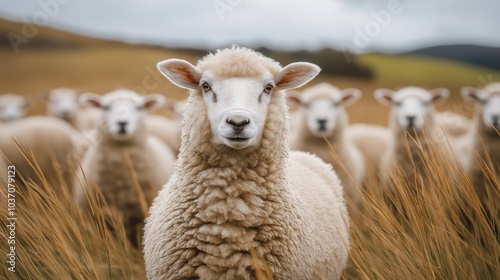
(221,177)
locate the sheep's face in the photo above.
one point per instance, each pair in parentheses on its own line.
(491,111)
(488,100)
(12,107)
(412,107)
(62,103)
(324,105)
(123,111)
(321,116)
(121,117)
(237,108)
(237,105)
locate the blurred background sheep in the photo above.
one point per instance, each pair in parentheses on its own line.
(52,51)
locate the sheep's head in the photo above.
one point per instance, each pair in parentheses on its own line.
(237,86)
(12,107)
(123,111)
(412,107)
(323,105)
(488,99)
(61,102)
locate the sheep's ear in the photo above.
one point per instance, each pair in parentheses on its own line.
(439,95)
(384,96)
(296,74)
(90,100)
(153,101)
(471,94)
(180,72)
(350,96)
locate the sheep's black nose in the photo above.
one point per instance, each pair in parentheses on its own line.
(65,114)
(411,121)
(322,124)
(238,124)
(122,126)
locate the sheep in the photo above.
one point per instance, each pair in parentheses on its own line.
(124,141)
(372,141)
(63,103)
(483,142)
(236,186)
(52,143)
(323,117)
(413,131)
(12,107)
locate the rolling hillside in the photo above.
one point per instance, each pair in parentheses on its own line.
(100,66)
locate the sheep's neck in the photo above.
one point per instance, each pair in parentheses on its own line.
(410,147)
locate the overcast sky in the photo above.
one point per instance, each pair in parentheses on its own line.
(284,24)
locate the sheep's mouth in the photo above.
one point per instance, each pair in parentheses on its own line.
(237,139)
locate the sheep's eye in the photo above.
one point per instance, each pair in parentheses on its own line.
(397,104)
(268,88)
(336,104)
(206,87)
(305,105)
(105,108)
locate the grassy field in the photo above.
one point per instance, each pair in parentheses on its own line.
(434,231)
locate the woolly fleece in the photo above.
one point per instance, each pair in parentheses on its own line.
(288,206)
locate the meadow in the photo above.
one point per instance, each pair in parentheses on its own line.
(432,240)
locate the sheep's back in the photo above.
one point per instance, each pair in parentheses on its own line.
(319,189)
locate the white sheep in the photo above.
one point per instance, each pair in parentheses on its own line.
(52,143)
(124,141)
(12,107)
(483,142)
(236,185)
(372,141)
(414,131)
(63,103)
(323,116)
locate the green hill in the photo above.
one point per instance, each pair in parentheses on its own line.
(408,69)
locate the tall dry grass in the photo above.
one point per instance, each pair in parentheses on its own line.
(55,240)
(432,226)
(429,229)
